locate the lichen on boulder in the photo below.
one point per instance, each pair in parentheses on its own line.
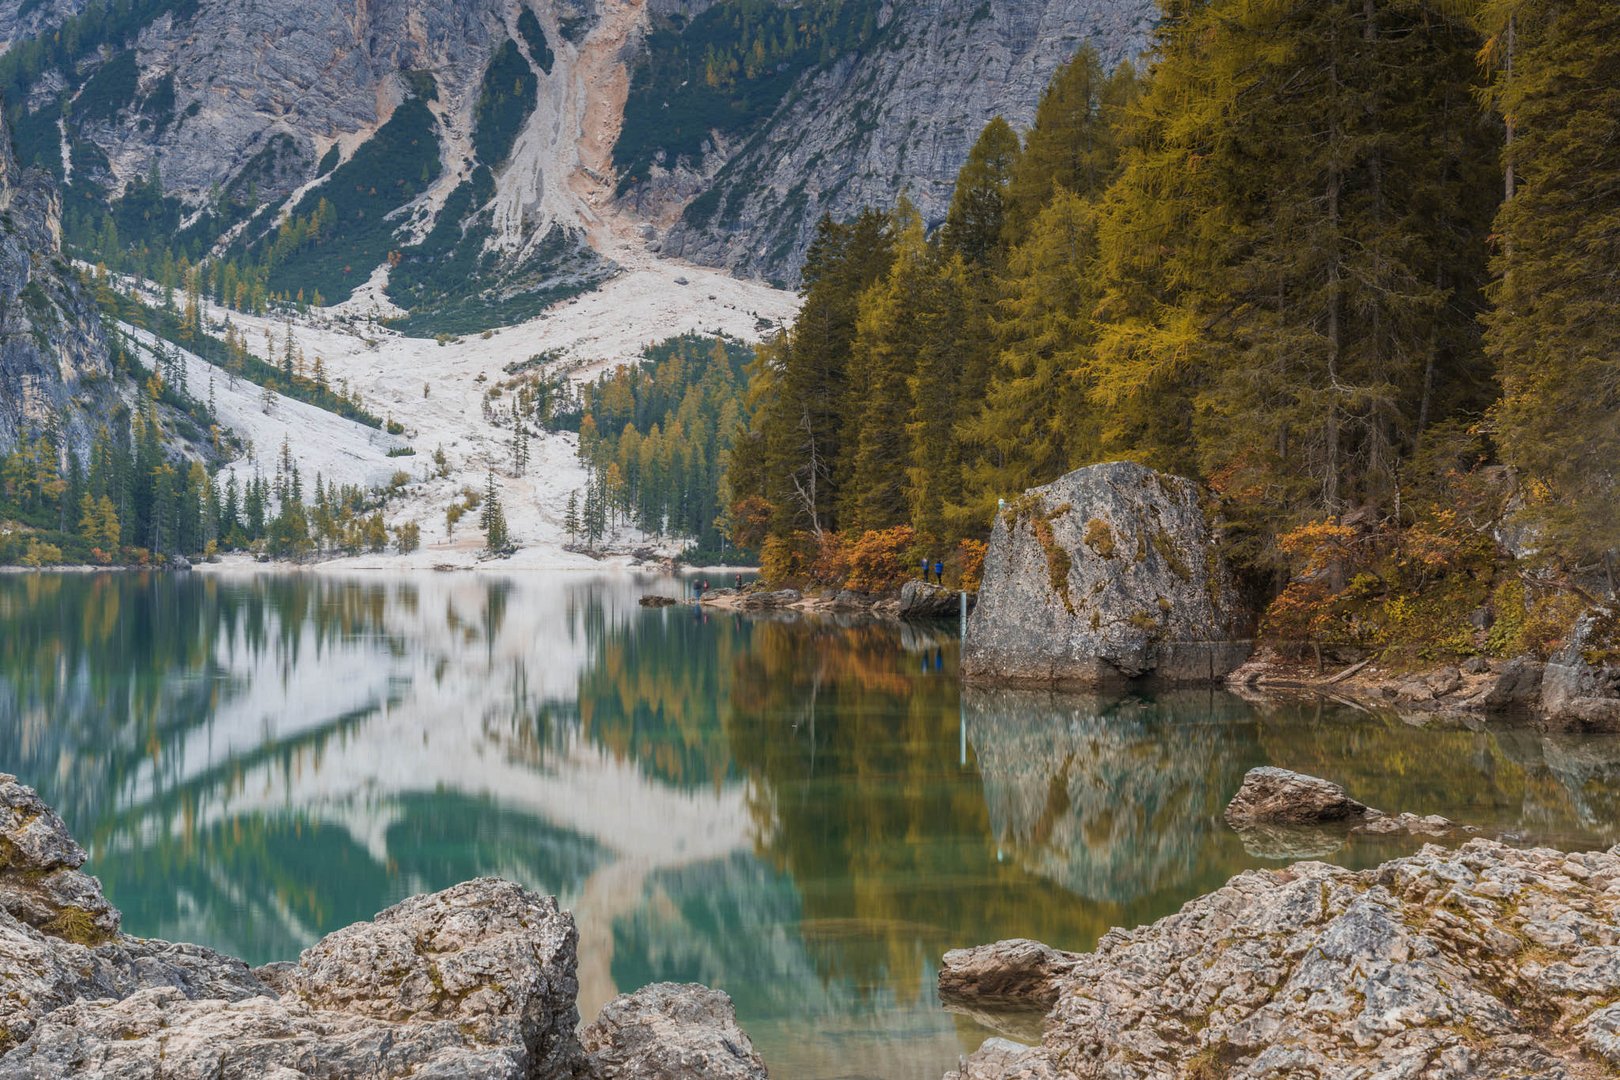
(1109,573)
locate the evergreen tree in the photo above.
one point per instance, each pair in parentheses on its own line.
(1074,143)
(1035,422)
(973,224)
(1552,327)
(571,524)
(492,519)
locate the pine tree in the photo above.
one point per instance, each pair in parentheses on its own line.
(1035,422)
(1074,143)
(492,519)
(1291,257)
(974,223)
(1552,328)
(571,523)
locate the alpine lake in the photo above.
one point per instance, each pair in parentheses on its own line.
(804,812)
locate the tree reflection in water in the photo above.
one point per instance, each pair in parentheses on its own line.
(805,812)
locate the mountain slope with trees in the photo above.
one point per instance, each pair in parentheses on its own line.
(1337,260)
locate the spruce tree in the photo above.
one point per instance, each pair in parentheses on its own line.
(1074,142)
(492,518)
(1552,327)
(1035,421)
(974,222)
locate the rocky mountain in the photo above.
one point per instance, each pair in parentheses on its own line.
(499,154)
(895,113)
(54,366)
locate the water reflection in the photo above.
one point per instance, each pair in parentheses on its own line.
(806,813)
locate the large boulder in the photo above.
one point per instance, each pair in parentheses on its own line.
(477,982)
(1580,686)
(1484,960)
(1107,574)
(40,881)
(921,600)
(670,1031)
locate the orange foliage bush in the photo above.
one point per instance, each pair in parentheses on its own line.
(830,564)
(880,561)
(970,563)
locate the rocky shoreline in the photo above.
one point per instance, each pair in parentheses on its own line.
(1479,960)
(477,982)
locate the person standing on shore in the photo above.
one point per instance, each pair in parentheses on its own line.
(925,569)
(939,572)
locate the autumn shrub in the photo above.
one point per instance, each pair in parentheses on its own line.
(750,517)
(1408,594)
(829,564)
(970,563)
(882,560)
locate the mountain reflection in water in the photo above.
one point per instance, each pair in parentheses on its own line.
(804,813)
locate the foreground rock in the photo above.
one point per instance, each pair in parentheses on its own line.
(1484,961)
(671,1030)
(1106,574)
(476,983)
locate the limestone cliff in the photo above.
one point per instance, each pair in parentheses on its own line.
(898,116)
(203,124)
(54,370)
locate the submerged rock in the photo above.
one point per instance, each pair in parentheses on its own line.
(1272,796)
(1106,574)
(1014,971)
(668,1031)
(1287,815)
(1484,960)
(477,982)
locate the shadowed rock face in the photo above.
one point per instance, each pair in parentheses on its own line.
(54,368)
(1107,574)
(477,982)
(897,116)
(1481,961)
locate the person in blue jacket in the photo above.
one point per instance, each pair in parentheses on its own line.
(939,572)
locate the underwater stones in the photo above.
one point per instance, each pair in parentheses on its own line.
(1272,796)
(1013,971)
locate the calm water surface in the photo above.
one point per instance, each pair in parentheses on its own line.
(802,813)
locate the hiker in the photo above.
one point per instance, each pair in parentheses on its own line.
(939,572)
(925,569)
(739,583)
